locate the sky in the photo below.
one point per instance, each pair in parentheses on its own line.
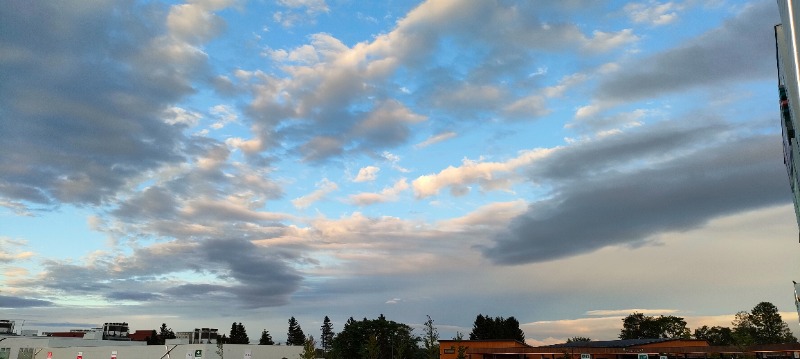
(564,162)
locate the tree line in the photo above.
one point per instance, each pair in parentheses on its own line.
(761,325)
(382,338)
(367,338)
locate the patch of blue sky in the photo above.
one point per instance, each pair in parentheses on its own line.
(66,232)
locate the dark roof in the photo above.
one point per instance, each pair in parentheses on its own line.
(621,343)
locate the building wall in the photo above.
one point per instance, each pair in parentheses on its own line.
(786,38)
(101,349)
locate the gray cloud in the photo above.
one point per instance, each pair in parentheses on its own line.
(133,295)
(742,48)
(255,276)
(628,207)
(82,98)
(17,302)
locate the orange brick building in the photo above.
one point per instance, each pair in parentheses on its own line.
(611,349)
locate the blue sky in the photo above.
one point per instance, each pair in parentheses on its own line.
(566,163)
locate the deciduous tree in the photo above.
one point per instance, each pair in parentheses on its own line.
(640,326)
(578,339)
(389,337)
(430,339)
(486,327)
(309,348)
(715,335)
(763,325)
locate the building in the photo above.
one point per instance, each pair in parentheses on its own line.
(660,348)
(6,326)
(15,347)
(788,63)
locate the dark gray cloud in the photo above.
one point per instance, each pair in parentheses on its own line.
(628,207)
(18,302)
(254,276)
(742,48)
(81,99)
(133,295)
(658,141)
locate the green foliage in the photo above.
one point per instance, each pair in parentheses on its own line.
(461,350)
(309,348)
(578,339)
(327,335)
(640,326)
(166,333)
(153,339)
(266,339)
(295,335)
(715,335)
(159,337)
(763,325)
(431,339)
(373,349)
(238,334)
(360,338)
(486,327)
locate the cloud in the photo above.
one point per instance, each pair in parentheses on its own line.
(652,12)
(386,195)
(488,175)
(323,189)
(683,192)
(224,116)
(733,51)
(17,302)
(93,102)
(366,174)
(330,99)
(606,41)
(236,269)
(134,296)
(8,255)
(444,136)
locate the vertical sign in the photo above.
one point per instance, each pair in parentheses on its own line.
(642,356)
(198,353)
(586,356)
(49,355)
(248,354)
(80,355)
(189,355)
(113,354)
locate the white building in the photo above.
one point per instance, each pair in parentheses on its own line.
(14,347)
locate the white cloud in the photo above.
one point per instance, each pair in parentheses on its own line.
(489,175)
(324,187)
(176,115)
(653,12)
(368,173)
(8,255)
(436,139)
(605,41)
(388,194)
(224,115)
